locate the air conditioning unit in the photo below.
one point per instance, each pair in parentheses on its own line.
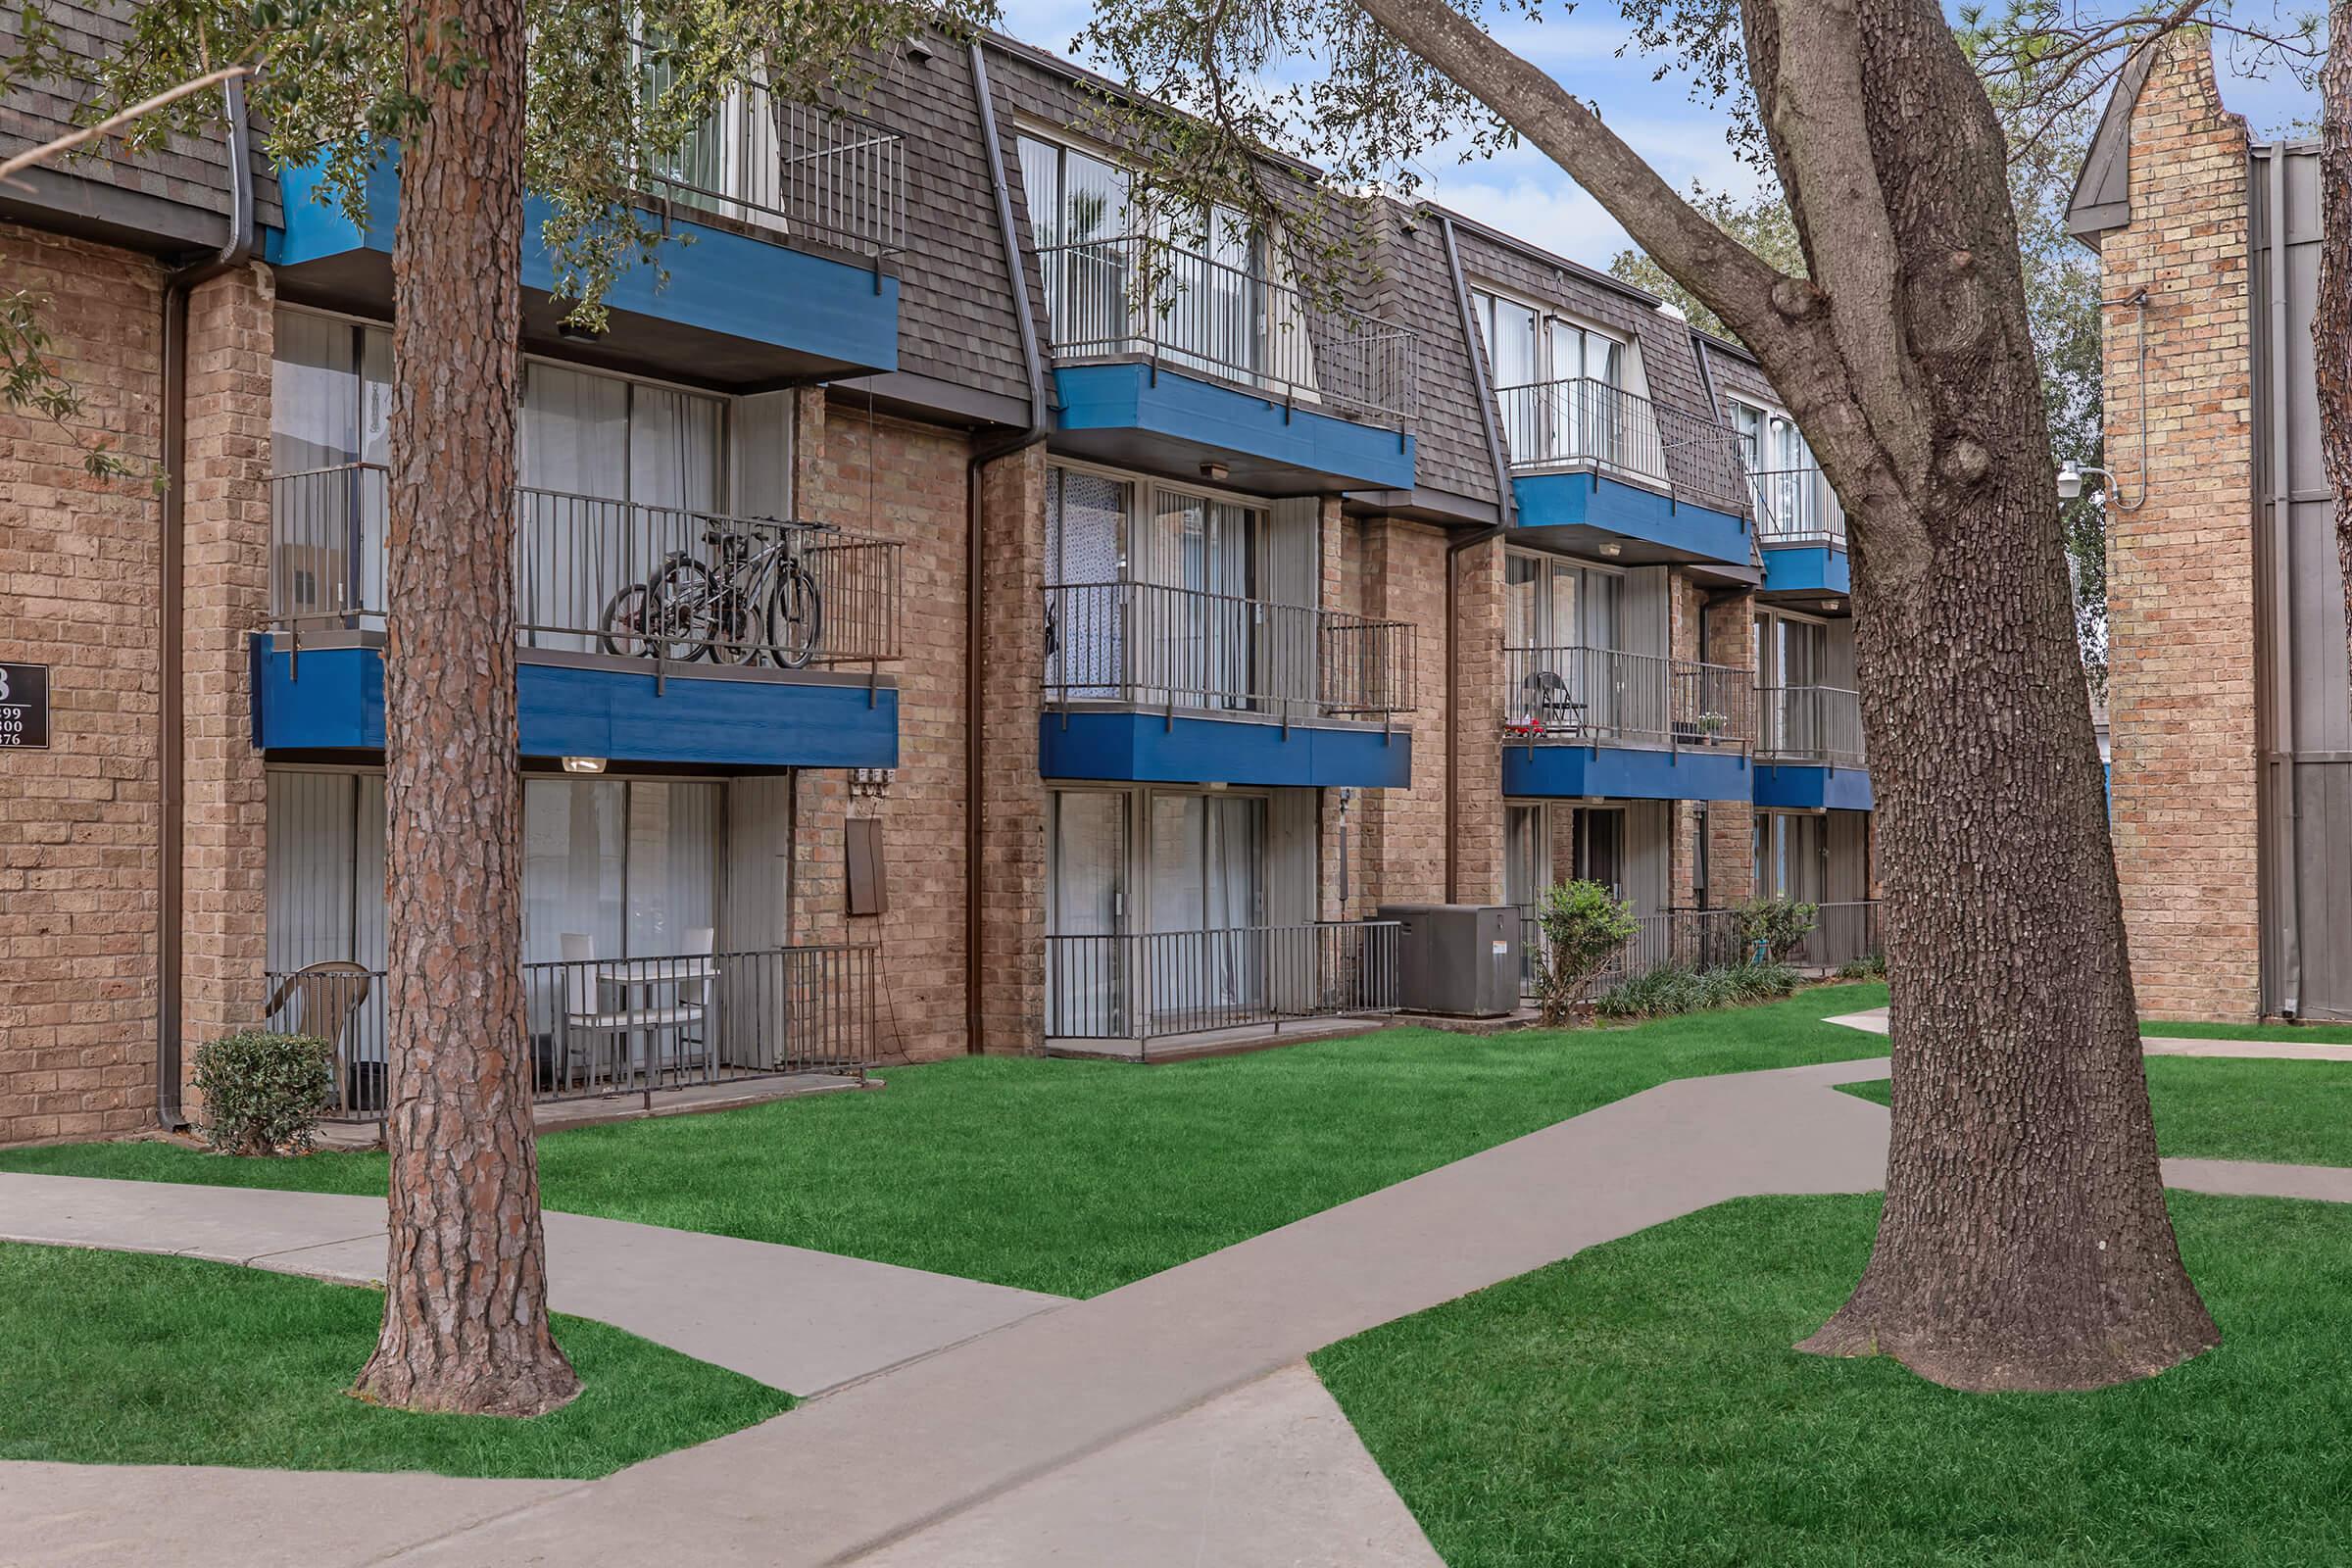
(1462,959)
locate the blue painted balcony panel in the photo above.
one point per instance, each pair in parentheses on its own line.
(735,307)
(332,699)
(1142,747)
(1137,414)
(1807,571)
(1792,786)
(1588,509)
(1552,770)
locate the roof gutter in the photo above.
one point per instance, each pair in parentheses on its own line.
(1506,509)
(975,630)
(172,599)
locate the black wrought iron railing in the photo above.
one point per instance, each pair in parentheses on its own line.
(1844,933)
(611,1027)
(1149,645)
(1143,986)
(1585,423)
(1138,296)
(1604,696)
(798,169)
(1796,507)
(597,575)
(1698,939)
(1810,724)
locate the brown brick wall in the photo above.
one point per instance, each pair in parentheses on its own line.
(1401,834)
(226,572)
(1012,847)
(1478,723)
(2180,578)
(78,558)
(1731,825)
(903,481)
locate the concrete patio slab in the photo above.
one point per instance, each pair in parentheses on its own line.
(799,1320)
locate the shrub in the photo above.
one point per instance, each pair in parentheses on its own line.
(1674,988)
(1873,967)
(1583,928)
(1775,926)
(263,1092)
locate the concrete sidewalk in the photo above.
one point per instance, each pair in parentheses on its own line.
(797,1320)
(1875,1022)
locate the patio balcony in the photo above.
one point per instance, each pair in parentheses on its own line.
(1801,530)
(1167,358)
(1148,682)
(624,1027)
(1622,474)
(785,214)
(1809,749)
(1597,722)
(1131,993)
(1711,939)
(649,633)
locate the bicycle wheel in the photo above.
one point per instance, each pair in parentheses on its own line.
(741,630)
(676,614)
(627,632)
(795,616)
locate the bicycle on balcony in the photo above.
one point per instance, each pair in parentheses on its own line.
(760,601)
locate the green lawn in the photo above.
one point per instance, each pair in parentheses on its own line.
(1076,1177)
(2301,1034)
(1640,1404)
(2217,1108)
(124,1358)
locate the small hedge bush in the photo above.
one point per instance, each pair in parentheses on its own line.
(1873,967)
(1584,926)
(1777,925)
(263,1092)
(1673,988)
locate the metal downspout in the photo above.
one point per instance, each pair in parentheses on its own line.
(1506,508)
(2283,838)
(975,640)
(172,599)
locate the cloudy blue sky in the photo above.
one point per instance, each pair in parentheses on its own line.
(1521,192)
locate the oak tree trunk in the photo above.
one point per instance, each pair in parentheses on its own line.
(465,1325)
(2331,315)
(2024,1242)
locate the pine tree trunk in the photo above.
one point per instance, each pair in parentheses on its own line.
(2331,315)
(465,1325)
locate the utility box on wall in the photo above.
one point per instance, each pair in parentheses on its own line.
(1456,958)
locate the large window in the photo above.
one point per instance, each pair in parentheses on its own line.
(1550,602)
(1561,386)
(634,864)
(1788,485)
(1792,855)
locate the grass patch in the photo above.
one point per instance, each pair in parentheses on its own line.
(1076,1177)
(124,1358)
(2219,1107)
(1641,1403)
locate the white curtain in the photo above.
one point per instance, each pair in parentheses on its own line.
(575,551)
(1086,524)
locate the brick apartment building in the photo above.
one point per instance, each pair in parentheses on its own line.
(2230,711)
(1120,658)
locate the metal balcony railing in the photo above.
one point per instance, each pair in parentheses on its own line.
(595,575)
(1136,296)
(798,169)
(1796,507)
(1153,646)
(622,1026)
(1585,423)
(1601,697)
(1142,986)
(1842,933)
(1696,939)
(1810,724)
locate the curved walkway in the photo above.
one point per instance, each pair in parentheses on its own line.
(1168,1421)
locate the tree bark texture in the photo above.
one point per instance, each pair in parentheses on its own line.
(2026,1243)
(2331,315)
(465,1325)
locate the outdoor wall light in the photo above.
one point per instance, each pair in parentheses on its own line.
(1612,547)
(583,765)
(1213,471)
